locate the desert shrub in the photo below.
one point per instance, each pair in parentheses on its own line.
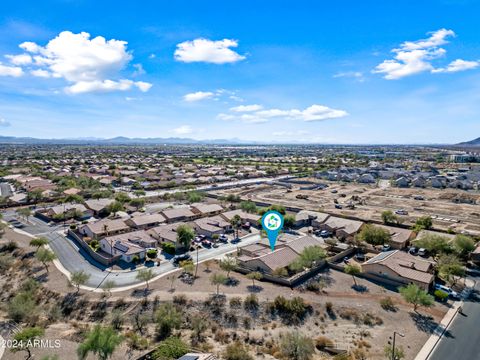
(291,311)
(180,299)
(237,351)
(236,302)
(251,303)
(440,295)
(168,247)
(387,304)
(170,348)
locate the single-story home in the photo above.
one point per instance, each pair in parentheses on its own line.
(206,209)
(105,227)
(345,229)
(145,221)
(400,238)
(68,209)
(126,249)
(308,218)
(401,268)
(211,225)
(165,232)
(178,214)
(246,217)
(98,205)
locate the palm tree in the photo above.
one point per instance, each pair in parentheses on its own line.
(100,341)
(236,222)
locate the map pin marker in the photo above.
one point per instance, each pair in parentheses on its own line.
(272,223)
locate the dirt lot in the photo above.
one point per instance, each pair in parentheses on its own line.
(444,206)
(345,325)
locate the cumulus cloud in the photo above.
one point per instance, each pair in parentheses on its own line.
(204,50)
(87,64)
(4,123)
(183,130)
(414,57)
(198,96)
(246,108)
(459,65)
(312,113)
(14,71)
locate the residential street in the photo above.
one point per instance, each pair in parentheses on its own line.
(74,258)
(462,339)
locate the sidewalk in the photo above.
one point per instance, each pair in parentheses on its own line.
(427,349)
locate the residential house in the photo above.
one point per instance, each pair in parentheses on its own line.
(210,226)
(345,229)
(145,221)
(400,268)
(123,248)
(105,227)
(366,179)
(402,182)
(178,214)
(400,237)
(198,356)
(244,216)
(165,232)
(419,182)
(69,210)
(307,218)
(206,209)
(98,206)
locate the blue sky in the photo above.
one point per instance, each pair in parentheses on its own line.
(304,71)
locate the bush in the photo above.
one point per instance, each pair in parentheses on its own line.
(440,295)
(251,303)
(237,351)
(236,302)
(170,348)
(152,253)
(168,247)
(387,303)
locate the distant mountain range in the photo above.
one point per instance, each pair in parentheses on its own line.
(120,140)
(475,142)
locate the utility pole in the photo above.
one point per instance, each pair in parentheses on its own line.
(196,267)
(393,344)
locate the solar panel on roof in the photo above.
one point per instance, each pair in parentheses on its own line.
(380,256)
(121,247)
(189,357)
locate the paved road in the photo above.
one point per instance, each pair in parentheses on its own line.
(74,258)
(5,190)
(462,340)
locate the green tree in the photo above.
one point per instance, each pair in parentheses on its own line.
(145,275)
(289,221)
(25,339)
(353,270)
(388,217)
(39,242)
(185,235)
(137,203)
(115,207)
(228,264)
(374,235)
(79,278)
(45,256)
(24,212)
(296,346)
(218,279)
(450,268)
(463,245)
(236,222)
(416,296)
(435,244)
(255,275)
(22,307)
(311,255)
(236,351)
(73,198)
(187,266)
(194,196)
(122,197)
(170,349)
(248,206)
(100,341)
(423,223)
(167,318)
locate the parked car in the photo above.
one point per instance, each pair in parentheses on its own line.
(401,212)
(360,256)
(418,197)
(334,191)
(453,294)
(422,252)
(246,225)
(338,206)
(413,250)
(177,259)
(207,243)
(325,233)
(386,247)
(223,238)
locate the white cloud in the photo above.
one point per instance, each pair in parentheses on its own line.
(88,64)
(22,59)
(246,108)
(183,130)
(204,50)
(105,86)
(139,70)
(414,57)
(41,73)
(312,113)
(459,65)
(14,71)
(357,75)
(198,96)
(4,123)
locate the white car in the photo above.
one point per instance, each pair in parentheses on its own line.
(422,252)
(446,289)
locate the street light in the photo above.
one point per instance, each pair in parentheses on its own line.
(393,344)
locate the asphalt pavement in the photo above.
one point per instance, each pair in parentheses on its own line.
(461,341)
